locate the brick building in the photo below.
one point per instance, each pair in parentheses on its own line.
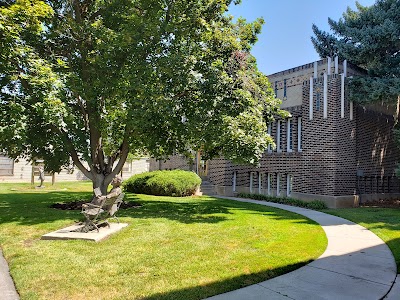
(329,149)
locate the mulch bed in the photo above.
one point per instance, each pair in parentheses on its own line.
(77,205)
(387,203)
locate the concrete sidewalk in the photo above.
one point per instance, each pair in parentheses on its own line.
(356,265)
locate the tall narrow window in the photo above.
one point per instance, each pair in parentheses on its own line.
(269,133)
(260,179)
(278,184)
(269,183)
(289,135)
(234,181)
(318,102)
(284,89)
(289,184)
(276,89)
(279,136)
(251,182)
(299,143)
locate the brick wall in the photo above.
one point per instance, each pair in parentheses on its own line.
(336,150)
(377,152)
(326,164)
(274,162)
(329,154)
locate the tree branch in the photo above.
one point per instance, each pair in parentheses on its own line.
(122,159)
(83,111)
(79,164)
(74,154)
(77,11)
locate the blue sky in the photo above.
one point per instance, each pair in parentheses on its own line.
(285,39)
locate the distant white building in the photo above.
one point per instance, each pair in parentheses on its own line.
(23,171)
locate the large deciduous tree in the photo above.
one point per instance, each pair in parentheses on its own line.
(93,80)
(370,38)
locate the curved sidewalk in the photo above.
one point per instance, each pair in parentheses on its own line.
(355,265)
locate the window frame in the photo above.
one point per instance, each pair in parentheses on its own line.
(278,184)
(289,185)
(299,135)
(279,136)
(318,101)
(289,135)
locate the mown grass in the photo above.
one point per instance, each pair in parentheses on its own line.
(174,248)
(384,222)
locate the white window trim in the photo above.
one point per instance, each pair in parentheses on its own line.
(278,136)
(234,181)
(288,185)
(311,102)
(289,136)
(251,182)
(325,95)
(342,95)
(299,135)
(278,184)
(351,111)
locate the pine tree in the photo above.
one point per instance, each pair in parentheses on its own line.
(370,38)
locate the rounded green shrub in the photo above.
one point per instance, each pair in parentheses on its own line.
(177,183)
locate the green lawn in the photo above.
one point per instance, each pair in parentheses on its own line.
(384,222)
(173,248)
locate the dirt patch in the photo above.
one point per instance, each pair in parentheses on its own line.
(387,203)
(77,205)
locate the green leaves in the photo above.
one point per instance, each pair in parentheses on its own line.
(95,78)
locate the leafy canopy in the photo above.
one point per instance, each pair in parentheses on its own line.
(369,38)
(93,80)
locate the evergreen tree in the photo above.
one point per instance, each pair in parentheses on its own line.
(370,38)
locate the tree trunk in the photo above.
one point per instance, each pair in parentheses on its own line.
(99,181)
(102,174)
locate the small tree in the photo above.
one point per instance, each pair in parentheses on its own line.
(93,80)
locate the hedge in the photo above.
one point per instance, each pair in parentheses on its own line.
(315,204)
(176,183)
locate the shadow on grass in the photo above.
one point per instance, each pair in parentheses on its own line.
(211,210)
(219,287)
(330,275)
(34,208)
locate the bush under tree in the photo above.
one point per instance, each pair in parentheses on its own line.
(177,183)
